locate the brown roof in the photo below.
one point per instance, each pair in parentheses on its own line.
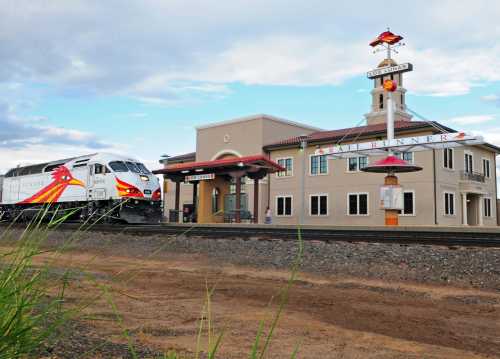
(258,160)
(354,132)
(186,157)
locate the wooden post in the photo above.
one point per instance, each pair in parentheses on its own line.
(177,198)
(195,199)
(391,215)
(256,200)
(238,199)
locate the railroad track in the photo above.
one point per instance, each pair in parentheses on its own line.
(452,236)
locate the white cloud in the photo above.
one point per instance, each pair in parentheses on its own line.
(490,98)
(34,140)
(471,120)
(206,45)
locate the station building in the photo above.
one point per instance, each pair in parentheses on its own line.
(262,161)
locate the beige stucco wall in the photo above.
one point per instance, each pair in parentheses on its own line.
(248,137)
(239,138)
(243,138)
(450,180)
(338,182)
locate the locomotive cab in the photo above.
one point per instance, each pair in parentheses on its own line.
(106,187)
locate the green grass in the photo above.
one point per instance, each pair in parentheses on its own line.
(31,314)
(28,315)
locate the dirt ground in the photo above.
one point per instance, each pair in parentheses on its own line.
(160,301)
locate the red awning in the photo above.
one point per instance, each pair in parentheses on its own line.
(391,164)
(256,160)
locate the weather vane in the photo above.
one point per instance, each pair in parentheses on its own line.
(387,41)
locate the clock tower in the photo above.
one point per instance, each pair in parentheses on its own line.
(378,113)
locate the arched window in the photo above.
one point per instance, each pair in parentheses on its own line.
(215,200)
(381,101)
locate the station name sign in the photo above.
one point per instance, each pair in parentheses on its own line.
(203,177)
(404,143)
(389,70)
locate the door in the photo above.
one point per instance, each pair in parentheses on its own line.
(96,188)
(472,209)
(230,202)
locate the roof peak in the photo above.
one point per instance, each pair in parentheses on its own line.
(257,117)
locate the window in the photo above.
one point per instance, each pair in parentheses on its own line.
(487,207)
(354,164)
(407,156)
(284,205)
(98,169)
(318,165)
(118,166)
(381,101)
(486,168)
(448,158)
(357,204)
(449,203)
(288,164)
(132,167)
(215,200)
(409,203)
(468,165)
(232,185)
(143,168)
(318,205)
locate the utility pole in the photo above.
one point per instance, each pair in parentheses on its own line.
(303,146)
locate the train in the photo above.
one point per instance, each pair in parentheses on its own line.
(101,187)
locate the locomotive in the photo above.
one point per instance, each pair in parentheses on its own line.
(99,186)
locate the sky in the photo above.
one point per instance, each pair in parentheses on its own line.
(137,77)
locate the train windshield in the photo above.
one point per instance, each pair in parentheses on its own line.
(143,168)
(131,166)
(118,166)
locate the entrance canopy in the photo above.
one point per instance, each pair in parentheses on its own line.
(193,171)
(216,176)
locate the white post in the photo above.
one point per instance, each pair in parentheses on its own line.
(303,146)
(480,220)
(464,209)
(390,119)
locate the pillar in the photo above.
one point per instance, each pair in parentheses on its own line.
(237,216)
(256,200)
(177,198)
(391,215)
(480,210)
(464,209)
(195,199)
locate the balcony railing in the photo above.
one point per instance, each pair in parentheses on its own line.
(472,176)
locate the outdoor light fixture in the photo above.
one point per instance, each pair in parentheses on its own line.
(164,159)
(185,171)
(199,170)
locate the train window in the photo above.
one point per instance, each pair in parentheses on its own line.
(98,169)
(143,168)
(131,166)
(50,168)
(118,166)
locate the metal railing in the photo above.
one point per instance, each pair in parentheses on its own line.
(472,176)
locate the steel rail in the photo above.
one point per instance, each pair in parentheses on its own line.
(409,235)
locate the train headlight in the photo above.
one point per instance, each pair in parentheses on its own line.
(144,178)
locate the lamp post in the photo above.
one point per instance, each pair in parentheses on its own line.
(303,146)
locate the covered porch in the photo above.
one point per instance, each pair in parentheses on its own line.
(217,187)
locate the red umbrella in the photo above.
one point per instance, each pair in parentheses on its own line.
(391,164)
